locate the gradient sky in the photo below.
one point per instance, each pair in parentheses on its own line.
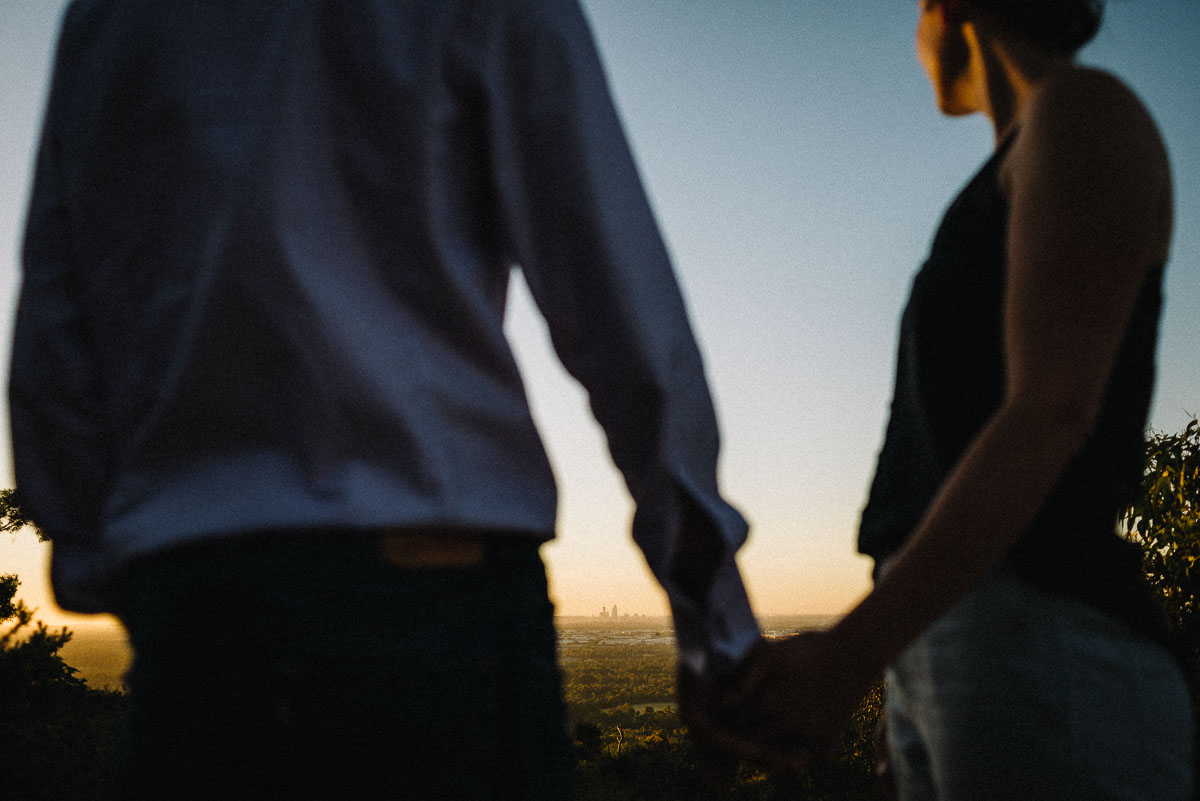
(798,167)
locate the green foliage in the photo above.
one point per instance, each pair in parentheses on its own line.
(13,518)
(8,591)
(601,676)
(1165,521)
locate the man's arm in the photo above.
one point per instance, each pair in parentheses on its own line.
(583,231)
(59,452)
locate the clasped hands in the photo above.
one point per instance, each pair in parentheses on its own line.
(786,707)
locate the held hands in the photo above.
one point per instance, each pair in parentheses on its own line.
(787,707)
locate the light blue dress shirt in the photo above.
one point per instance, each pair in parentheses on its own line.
(265,272)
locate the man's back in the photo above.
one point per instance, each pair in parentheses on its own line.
(290,255)
(266,264)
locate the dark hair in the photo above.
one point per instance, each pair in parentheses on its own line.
(1060,25)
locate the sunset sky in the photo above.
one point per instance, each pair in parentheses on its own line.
(798,167)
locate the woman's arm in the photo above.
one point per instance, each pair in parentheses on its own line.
(1090,214)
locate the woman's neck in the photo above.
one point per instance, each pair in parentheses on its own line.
(1003,75)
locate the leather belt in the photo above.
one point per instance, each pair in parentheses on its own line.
(428,549)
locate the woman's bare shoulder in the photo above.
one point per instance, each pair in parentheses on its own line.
(1087,143)
(1095,114)
(1084,123)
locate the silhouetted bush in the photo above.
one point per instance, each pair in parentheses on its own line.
(58,734)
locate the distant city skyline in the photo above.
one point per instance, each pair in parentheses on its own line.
(798,167)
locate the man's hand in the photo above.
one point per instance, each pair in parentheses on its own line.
(788,706)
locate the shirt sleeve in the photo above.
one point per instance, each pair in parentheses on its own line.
(581,228)
(54,399)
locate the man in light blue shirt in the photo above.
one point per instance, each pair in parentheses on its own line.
(261,393)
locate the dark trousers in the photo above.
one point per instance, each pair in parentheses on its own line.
(307,667)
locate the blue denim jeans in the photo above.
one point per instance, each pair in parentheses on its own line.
(1016,694)
(307,667)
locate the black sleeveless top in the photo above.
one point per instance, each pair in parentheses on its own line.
(950,379)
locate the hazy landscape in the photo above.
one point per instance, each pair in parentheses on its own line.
(101,652)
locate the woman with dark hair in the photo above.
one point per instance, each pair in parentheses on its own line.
(1022,651)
